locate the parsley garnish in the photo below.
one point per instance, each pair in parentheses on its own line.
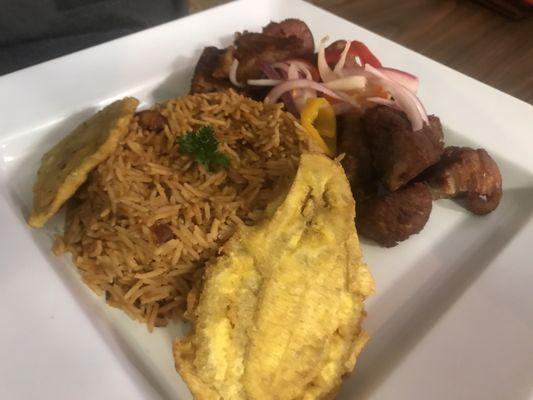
(202,145)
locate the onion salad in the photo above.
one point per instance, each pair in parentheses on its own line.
(347,74)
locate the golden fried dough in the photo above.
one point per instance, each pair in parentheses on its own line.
(279,315)
(66,166)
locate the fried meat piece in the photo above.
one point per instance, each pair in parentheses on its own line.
(162,233)
(292,27)
(393,217)
(223,66)
(203,80)
(281,41)
(151,120)
(465,172)
(399,153)
(253,49)
(357,161)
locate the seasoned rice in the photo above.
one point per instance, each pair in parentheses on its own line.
(148,186)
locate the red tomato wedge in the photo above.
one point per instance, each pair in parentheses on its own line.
(357,49)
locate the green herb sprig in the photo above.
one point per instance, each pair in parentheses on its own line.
(202,146)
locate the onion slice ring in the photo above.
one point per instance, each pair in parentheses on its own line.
(326,74)
(277,91)
(264,82)
(384,102)
(354,82)
(342,59)
(287,98)
(403,78)
(233,73)
(403,98)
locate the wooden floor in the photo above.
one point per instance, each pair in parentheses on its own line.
(458,33)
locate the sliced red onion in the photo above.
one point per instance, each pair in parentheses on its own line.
(404,78)
(269,71)
(342,59)
(292,72)
(376,72)
(279,69)
(404,99)
(300,96)
(233,73)
(284,87)
(285,97)
(281,65)
(408,103)
(264,82)
(401,98)
(347,83)
(326,74)
(300,66)
(303,67)
(355,71)
(385,102)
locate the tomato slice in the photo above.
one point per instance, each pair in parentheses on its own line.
(357,49)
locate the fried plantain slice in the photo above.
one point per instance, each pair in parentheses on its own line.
(66,166)
(279,315)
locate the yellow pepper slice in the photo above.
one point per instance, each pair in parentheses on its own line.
(318,119)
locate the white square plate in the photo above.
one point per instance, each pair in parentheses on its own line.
(453,314)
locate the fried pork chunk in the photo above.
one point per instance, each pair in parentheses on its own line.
(470,174)
(357,162)
(252,49)
(280,311)
(293,27)
(393,217)
(387,218)
(204,79)
(399,154)
(281,41)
